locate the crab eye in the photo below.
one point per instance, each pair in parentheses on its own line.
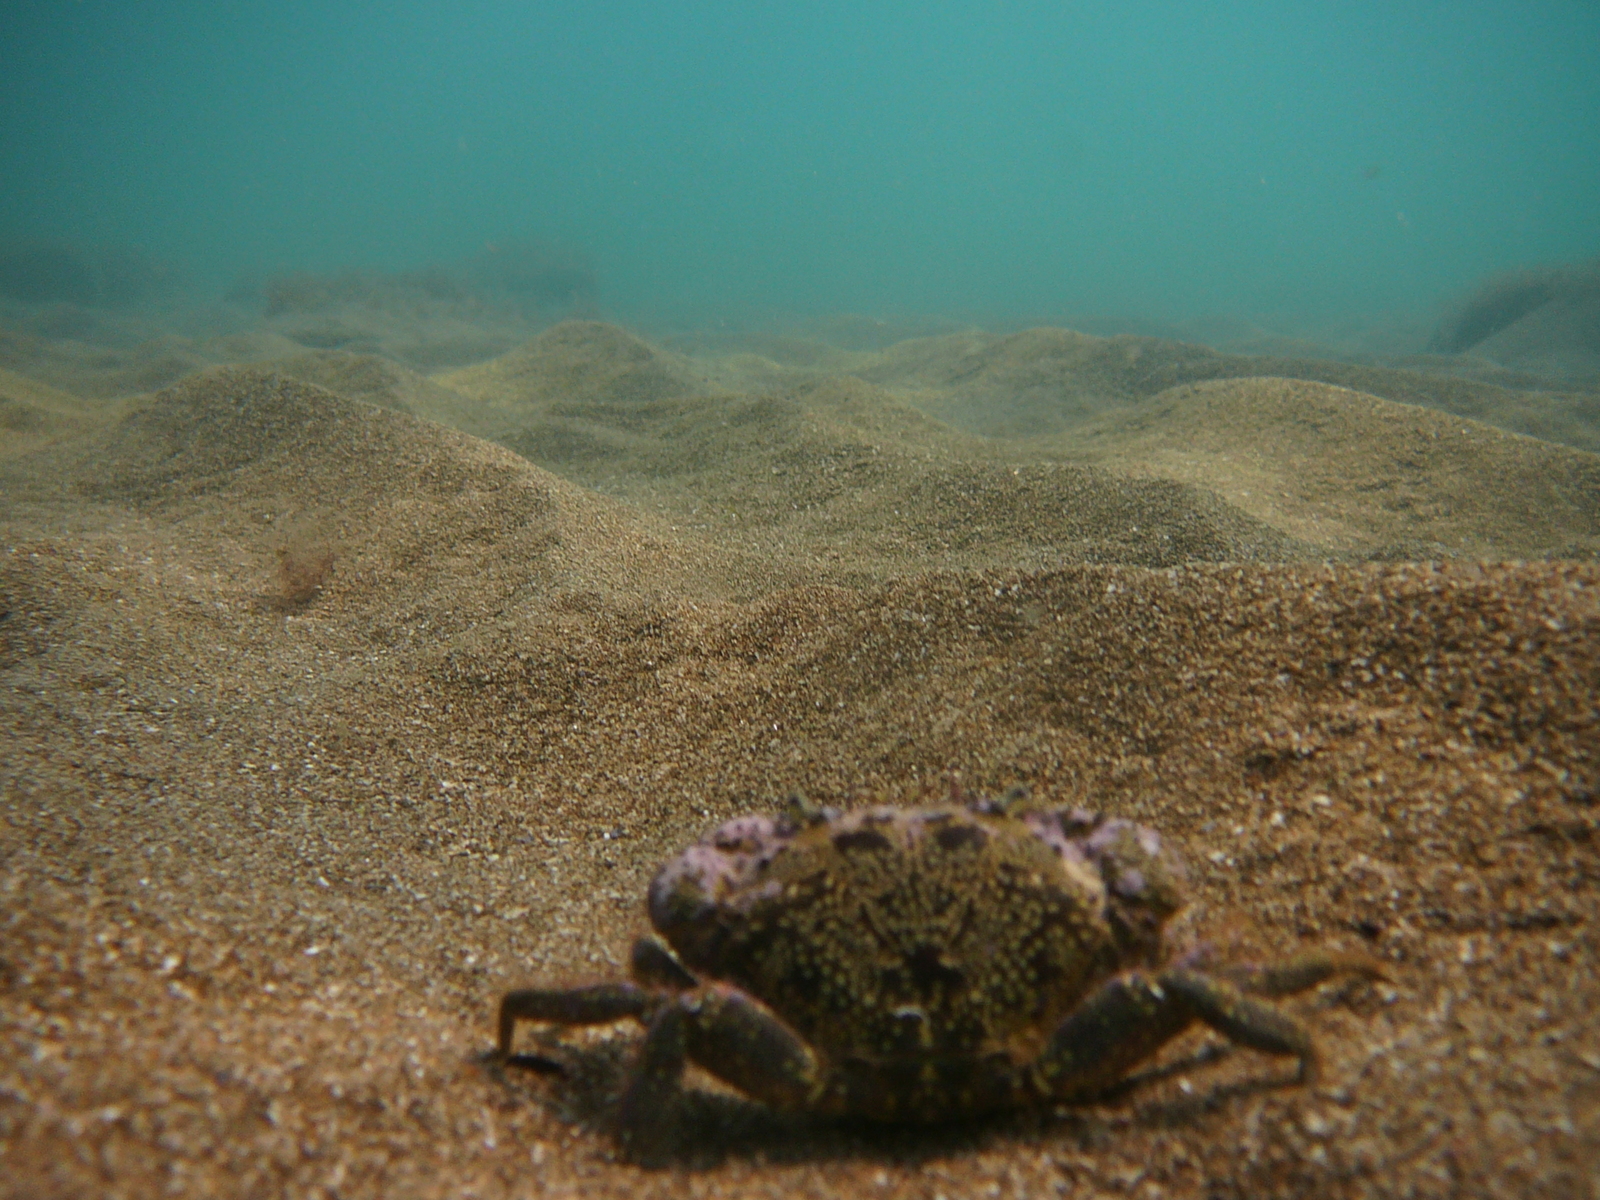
(1130,884)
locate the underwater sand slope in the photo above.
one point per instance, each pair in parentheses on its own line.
(100,372)
(578,358)
(1358,474)
(34,415)
(843,478)
(1045,381)
(367,377)
(835,469)
(268,860)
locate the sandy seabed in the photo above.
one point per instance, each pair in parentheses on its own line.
(338,699)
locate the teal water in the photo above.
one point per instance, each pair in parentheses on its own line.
(1296,161)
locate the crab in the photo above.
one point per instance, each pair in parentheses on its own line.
(919,964)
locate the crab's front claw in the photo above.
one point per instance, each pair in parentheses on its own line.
(743,1042)
(1123,1023)
(736,1038)
(647,1116)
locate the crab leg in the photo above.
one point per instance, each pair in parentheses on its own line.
(1132,1016)
(1302,973)
(597,1005)
(1240,1019)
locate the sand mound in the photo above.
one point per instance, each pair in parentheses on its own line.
(268,464)
(100,372)
(1560,339)
(433,318)
(1037,381)
(847,475)
(1044,381)
(34,415)
(1518,404)
(1361,475)
(326,724)
(578,358)
(1544,321)
(844,479)
(375,380)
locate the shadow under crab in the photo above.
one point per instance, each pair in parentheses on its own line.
(917,965)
